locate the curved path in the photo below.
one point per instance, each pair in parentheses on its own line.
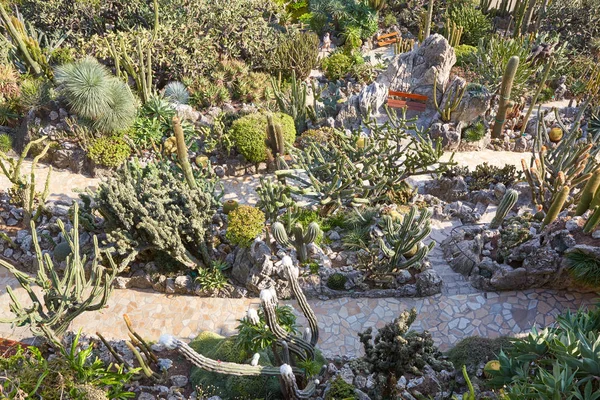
(459,311)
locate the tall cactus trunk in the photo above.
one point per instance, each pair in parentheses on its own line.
(528,15)
(537,94)
(427,29)
(182,153)
(507,82)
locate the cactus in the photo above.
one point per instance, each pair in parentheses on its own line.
(293,104)
(588,193)
(453,32)
(275,141)
(301,237)
(403,45)
(302,347)
(63,298)
(21,40)
(402,236)
(507,81)
(24,189)
(592,221)
(557,206)
(537,93)
(506,204)
(452,101)
(182,153)
(229,206)
(427,27)
(140,72)
(272,197)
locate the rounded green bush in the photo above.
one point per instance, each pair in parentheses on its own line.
(476,25)
(245,224)
(464,52)
(337,65)
(250,132)
(337,281)
(110,151)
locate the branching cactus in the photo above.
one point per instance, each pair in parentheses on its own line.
(63,299)
(301,237)
(557,206)
(182,153)
(506,204)
(453,96)
(302,347)
(272,197)
(403,240)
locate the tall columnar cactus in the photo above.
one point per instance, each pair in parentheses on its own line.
(301,238)
(427,28)
(557,206)
(453,99)
(63,299)
(453,32)
(506,204)
(588,193)
(294,102)
(182,153)
(541,85)
(275,141)
(140,70)
(272,197)
(403,45)
(303,348)
(402,237)
(507,82)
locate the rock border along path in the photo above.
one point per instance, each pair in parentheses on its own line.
(458,312)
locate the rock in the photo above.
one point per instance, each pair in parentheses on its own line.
(574,224)
(403,276)
(347,374)
(142,281)
(241,265)
(160,285)
(509,278)
(349,115)
(596,234)
(333,235)
(463,255)
(61,158)
(146,396)
(360,382)
(121,282)
(521,145)
(164,364)
(259,250)
(372,98)
(183,284)
(170,286)
(77,160)
(12,222)
(401,384)
(360,395)
(53,115)
(473,104)
(448,189)
(179,380)
(428,283)
(450,134)
(219,171)
(332,369)
(187,112)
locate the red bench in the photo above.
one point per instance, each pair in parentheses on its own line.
(411,101)
(388,38)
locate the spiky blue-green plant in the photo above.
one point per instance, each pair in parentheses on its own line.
(176,92)
(85,87)
(122,108)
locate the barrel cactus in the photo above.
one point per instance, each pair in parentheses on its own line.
(506,204)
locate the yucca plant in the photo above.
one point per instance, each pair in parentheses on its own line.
(176,92)
(584,268)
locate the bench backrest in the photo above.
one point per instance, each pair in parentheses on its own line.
(412,101)
(387,35)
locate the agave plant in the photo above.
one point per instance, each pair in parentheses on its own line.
(177,93)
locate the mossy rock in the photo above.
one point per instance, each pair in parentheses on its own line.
(250,132)
(226,386)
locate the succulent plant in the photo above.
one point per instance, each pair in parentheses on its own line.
(301,237)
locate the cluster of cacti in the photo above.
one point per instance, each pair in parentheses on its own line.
(291,347)
(140,70)
(350,171)
(63,298)
(28,48)
(403,45)
(503,102)
(453,99)
(568,164)
(152,208)
(23,191)
(301,237)
(506,204)
(402,241)
(453,32)
(272,197)
(294,102)
(296,54)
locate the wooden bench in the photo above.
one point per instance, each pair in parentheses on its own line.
(409,100)
(388,38)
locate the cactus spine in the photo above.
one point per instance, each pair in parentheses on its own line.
(507,82)
(587,195)
(557,205)
(506,204)
(182,153)
(301,238)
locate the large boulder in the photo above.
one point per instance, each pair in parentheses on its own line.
(474,103)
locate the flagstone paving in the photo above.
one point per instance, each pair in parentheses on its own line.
(458,312)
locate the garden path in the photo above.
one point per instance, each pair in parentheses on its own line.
(459,311)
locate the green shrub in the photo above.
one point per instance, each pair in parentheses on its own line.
(244,224)
(340,390)
(249,133)
(5,143)
(296,52)
(109,151)
(464,52)
(320,135)
(229,386)
(476,25)
(474,350)
(211,279)
(336,281)
(389,19)
(94,94)
(339,64)
(343,13)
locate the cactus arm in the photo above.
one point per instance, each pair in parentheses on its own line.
(506,204)
(18,38)
(588,193)
(537,93)
(592,221)
(556,206)
(182,153)
(292,276)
